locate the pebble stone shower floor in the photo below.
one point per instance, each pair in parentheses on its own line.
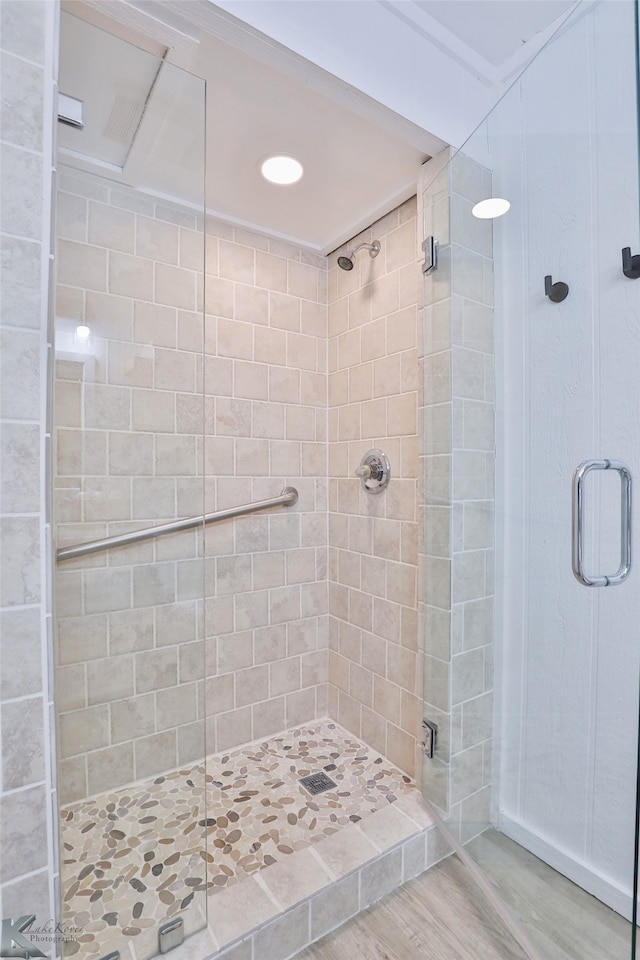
(134,858)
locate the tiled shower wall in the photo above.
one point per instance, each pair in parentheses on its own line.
(133,632)
(27,798)
(266,368)
(128,454)
(375,665)
(457,489)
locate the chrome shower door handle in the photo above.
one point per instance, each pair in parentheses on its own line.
(624,569)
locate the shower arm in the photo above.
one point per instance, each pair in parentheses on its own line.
(373,248)
(287,498)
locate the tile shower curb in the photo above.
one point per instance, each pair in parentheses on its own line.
(359,870)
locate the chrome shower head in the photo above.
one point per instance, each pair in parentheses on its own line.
(346,262)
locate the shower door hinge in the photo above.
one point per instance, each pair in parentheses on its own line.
(171,935)
(430,738)
(430,247)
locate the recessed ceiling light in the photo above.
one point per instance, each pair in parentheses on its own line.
(491,208)
(281,169)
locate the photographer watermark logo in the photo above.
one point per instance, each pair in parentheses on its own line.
(20,938)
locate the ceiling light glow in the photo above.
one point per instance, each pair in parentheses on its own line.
(491,208)
(281,169)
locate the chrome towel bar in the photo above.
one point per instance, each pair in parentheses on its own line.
(287,498)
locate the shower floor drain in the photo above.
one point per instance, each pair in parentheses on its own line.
(317,783)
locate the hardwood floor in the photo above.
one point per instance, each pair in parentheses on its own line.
(438,916)
(562,920)
(443,916)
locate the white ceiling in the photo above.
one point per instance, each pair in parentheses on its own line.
(360,157)
(495,29)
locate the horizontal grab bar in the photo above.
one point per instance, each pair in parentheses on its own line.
(287,498)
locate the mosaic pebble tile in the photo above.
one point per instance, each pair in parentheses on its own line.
(136,857)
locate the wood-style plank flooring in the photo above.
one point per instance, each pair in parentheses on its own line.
(443,916)
(562,920)
(438,916)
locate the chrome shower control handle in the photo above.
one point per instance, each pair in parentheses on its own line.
(374,471)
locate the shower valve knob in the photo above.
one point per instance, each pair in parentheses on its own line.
(374,471)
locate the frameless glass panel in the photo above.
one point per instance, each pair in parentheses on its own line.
(128,419)
(531,675)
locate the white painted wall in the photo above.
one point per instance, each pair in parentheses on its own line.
(565,153)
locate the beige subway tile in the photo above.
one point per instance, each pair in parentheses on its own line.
(373,419)
(285,458)
(157,240)
(251,380)
(285,604)
(155,754)
(349,349)
(111,228)
(175,286)
(218,297)
(270,643)
(301,351)
(251,609)
(192,251)
(300,706)
(268,717)
(80,265)
(72,779)
(110,679)
(269,345)
(302,280)
(110,768)
(314,319)
(84,730)
(130,630)
(71,217)
(81,639)
(191,333)
(233,728)
(235,339)
(106,590)
(235,652)
(314,668)
(175,455)
(175,706)
(387,377)
(156,669)
(401,583)
(268,569)
(401,246)
(374,340)
(130,365)
(271,272)
(236,262)
(130,276)
(386,699)
(284,676)
(402,414)
(401,749)
(154,584)
(284,312)
(339,388)
(154,324)
(284,385)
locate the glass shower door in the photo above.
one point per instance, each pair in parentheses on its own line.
(128,456)
(532,675)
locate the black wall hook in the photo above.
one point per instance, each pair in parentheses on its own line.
(630,265)
(555,291)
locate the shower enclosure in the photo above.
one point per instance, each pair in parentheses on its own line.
(532,658)
(240,704)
